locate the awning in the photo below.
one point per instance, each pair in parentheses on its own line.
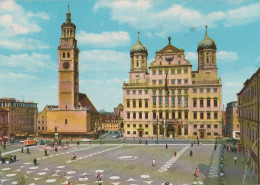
(5,137)
(1,138)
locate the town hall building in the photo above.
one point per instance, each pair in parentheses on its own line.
(170,99)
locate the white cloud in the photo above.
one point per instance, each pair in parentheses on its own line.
(34,62)
(104,39)
(191,56)
(227,56)
(176,17)
(14,20)
(23,44)
(257,61)
(16,76)
(104,60)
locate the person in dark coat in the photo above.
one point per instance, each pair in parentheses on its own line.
(35,161)
(45,153)
(14,158)
(191,153)
(22,150)
(166,146)
(27,151)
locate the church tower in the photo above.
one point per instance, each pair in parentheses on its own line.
(207,53)
(68,66)
(138,54)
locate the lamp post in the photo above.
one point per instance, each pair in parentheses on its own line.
(100,127)
(157,129)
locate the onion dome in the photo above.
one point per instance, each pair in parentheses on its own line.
(68,20)
(138,47)
(207,42)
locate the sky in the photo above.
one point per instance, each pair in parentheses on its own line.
(106,30)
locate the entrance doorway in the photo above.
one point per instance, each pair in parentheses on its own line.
(140,133)
(170,131)
(201,134)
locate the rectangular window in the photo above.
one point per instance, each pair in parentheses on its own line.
(185,81)
(179,71)
(194,90)
(146,103)
(172,81)
(186,114)
(208,115)
(154,115)
(160,72)
(194,133)
(185,71)
(208,126)
(128,132)
(42,128)
(201,103)
(179,81)
(173,101)
(160,101)
(146,91)
(127,92)
(39,128)
(173,115)
(160,92)
(146,125)
(134,115)
(146,133)
(140,115)
(140,103)
(208,90)
(208,102)
(134,103)
(185,101)
(202,115)
(134,132)
(185,131)
(201,90)
(128,115)
(140,92)
(128,125)
(186,91)
(154,101)
(194,103)
(173,91)
(160,115)
(154,92)
(179,101)
(160,82)
(179,91)
(134,125)
(194,126)
(154,72)
(215,134)
(215,90)
(179,114)
(146,115)
(140,125)
(166,101)
(173,71)
(208,133)
(66,121)
(167,115)
(215,103)
(134,91)
(154,82)
(194,115)
(215,115)
(128,103)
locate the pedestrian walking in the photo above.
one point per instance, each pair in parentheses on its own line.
(166,146)
(27,151)
(196,172)
(14,157)
(191,153)
(98,176)
(35,161)
(45,153)
(174,154)
(154,162)
(215,147)
(235,159)
(56,150)
(77,142)
(146,142)
(22,150)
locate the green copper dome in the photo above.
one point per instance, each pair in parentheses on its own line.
(138,47)
(207,43)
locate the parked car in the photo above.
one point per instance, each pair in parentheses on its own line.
(85,139)
(116,136)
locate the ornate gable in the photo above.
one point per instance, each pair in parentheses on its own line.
(170,49)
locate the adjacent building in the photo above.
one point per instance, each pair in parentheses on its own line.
(248,116)
(4,131)
(22,116)
(232,123)
(75,114)
(170,99)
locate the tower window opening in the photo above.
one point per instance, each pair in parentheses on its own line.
(137,64)
(63,55)
(66,121)
(68,55)
(207,60)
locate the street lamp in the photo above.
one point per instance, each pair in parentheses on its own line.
(157,129)
(100,127)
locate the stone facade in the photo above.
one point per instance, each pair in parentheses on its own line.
(170,99)
(248,116)
(232,123)
(4,131)
(22,116)
(42,119)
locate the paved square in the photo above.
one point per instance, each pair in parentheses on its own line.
(117,163)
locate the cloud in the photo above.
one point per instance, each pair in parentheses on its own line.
(15,76)
(176,17)
(23,44)
(191,56)
(104,39)
(227,56)
(104,60)
(257,61)
(29,63)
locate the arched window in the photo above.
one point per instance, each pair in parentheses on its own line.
(68,55)
(63,55)
(207,60)
(137,64)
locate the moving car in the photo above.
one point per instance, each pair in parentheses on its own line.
(85,139)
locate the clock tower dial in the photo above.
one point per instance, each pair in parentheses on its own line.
(66,65)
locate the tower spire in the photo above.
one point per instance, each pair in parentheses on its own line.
(138,35)
(68,6)
(206,26)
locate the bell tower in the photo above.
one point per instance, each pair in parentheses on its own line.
(68,66)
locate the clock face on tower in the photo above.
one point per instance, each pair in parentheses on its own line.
(66,65)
